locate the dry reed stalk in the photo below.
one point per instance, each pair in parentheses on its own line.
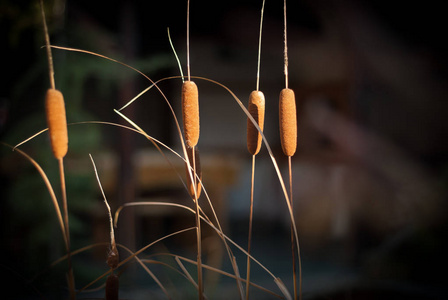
(113,258)
(57,126)
(288,138)
(195,186)
(190,113)
(256,109)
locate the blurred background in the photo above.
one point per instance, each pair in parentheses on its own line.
(369,176)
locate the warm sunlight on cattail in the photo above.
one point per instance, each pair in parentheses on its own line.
(57,122)
(256,108)
(190,112)
(288,121)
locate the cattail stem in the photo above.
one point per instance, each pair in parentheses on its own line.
(194,184)
(191,129)
(251,212)
(70,276)
(55,109)
(256,108)
(192,187)
(188,40)
(286,47)
(293,251)
(198,231)
(288,134)
(47,43)
(259,47)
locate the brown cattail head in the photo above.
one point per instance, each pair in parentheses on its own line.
(288,121)
(190,112)
(112,287)
(57,122)
(256,109)
(195,162)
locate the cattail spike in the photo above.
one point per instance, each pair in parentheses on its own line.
(190,113)
(256,108)
(57,122)
(288,121)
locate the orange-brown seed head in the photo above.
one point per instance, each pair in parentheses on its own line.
(288,121)
(190,113)
(256,109)
(57,122)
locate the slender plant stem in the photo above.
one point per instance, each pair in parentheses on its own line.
(251,213)
(198,219)
(198,229)
(294,271)
(293,244)
(259,47)
(47,43)
(290,177)
(70,276)
(188,40)
(175,54)
(253,165)
(286,47)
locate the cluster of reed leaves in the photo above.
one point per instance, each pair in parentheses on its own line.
(196,188)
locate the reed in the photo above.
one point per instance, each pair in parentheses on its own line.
(256,109)
(288,139)
(57,125)
(190,113)
(195,185)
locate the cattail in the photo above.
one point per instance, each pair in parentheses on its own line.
(57,122)
(288,121)
(256,109)
(190,112)
(112,287)
(193,157)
